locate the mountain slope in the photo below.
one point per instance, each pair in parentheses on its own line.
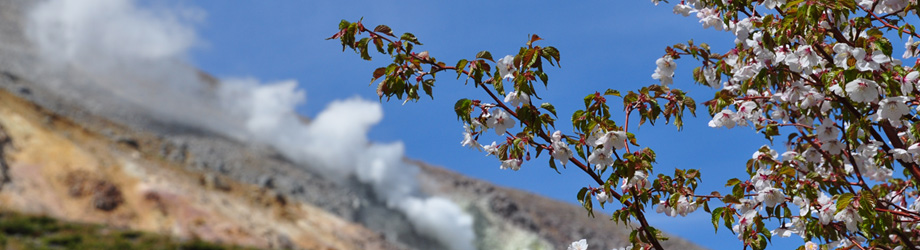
(73,151)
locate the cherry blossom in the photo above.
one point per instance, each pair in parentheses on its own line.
(910,48)
(639,179)
(578,245)
(468,139)
(826,209)
(796,226)
(808,58)
(909,82)
(506,67)
(770,4)
(843,53)
(561,151)
(683,9)
(771,196)
(602,196)
(665,70)
(491,149)
(850,218)
(725,118)
(612,140)
(862,90)
(865,62)
(516,98)
(513,164)
(500,121)
(710,18)
(811,246)
(827,132)
(682,208)
(832,146)
(600,159)
(892,109)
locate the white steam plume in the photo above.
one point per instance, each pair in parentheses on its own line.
(115,41)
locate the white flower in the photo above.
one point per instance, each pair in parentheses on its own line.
(832,147)
(770,154)
(683,9)
(742,29)
(639,179)
(600,159)
(501,121)
(892,109)
(710,74)
(811,98)
(710,18)
(561,151)
(612,140)
(866,62)
(683,207)
(826,209)
(491,149)
(601,196)
(796,226)
(760,178)
(725,118)
(513,164)
(900,154)
(827,131)
(506,67)
(779,115)
(771,196)
(807,56)
(914,151)
(876,173)
(843,54)
(579,245)
(862,90)
(770,4)
(910,48)
(849,217)
(908,83)
(744,222)
(665,70)
(517,97)
(813,156)
(468,139)
(811,246)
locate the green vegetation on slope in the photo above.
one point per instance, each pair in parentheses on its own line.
(26,232)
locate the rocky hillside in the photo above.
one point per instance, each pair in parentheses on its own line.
(74,155)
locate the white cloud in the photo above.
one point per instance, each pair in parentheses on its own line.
(115,41)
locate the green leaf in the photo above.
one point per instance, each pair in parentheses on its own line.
(552,164)
(426,85)
(761,242)
(484,55)
(378,73)
(732,182)
(463,108)
(384,29)
(716,215)
(410,38)
(730,199)
(362,47)
(549,107)
(460,66)
(553,53)
(843,201)
(612,92)
(543,77)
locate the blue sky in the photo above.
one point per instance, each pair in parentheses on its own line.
(604,44)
